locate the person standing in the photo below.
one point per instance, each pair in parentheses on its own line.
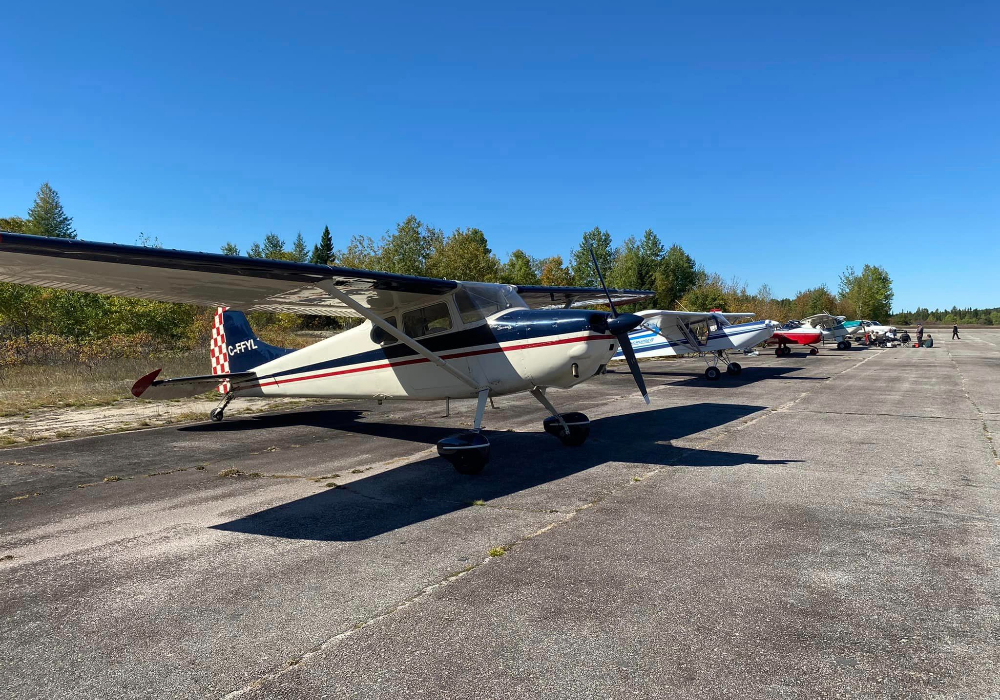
(954,332)
(920,335)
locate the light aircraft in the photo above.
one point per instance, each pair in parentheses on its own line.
(709,334)
(422,338)
(832,328)
(873,329)
(793,334)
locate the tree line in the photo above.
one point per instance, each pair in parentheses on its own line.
(412,247)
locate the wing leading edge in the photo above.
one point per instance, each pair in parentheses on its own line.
(248,284)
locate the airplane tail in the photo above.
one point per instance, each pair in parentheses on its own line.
(235,347)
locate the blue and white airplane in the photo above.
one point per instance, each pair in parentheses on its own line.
(421,339)
(708,334)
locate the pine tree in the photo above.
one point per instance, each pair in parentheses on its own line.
(46,216)
(323,251)
(230,249)
(299,253)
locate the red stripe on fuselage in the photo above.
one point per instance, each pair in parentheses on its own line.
(418,360)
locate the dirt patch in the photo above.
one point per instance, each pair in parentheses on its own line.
(126,414)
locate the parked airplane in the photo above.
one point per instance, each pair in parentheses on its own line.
(422,339)
(873,329)
(793,334)
(832,328)
(709,334)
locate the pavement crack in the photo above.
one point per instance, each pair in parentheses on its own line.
(987,433)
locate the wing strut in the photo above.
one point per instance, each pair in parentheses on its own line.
(399,335)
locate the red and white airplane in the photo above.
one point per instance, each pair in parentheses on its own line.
(786,336)
(422,339)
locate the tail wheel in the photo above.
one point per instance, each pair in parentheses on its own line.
(712,373)
(216,414)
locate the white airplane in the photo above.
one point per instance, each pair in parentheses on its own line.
(422,339)
(832,328)
(873,329)
(709,334)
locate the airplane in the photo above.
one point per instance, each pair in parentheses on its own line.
(832,328)
(709,334)
(793,334)
(873,329)
(421,339)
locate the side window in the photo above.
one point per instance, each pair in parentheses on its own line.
(467,308)
(380,337)
(427,321)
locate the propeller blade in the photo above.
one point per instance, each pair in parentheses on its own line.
(633,364)
(600,276)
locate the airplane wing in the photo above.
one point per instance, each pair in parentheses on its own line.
(676,317)
(823,319)
(538,297)
(248,284)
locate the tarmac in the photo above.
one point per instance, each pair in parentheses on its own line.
(821,526)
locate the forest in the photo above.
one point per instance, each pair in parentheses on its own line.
(44,325)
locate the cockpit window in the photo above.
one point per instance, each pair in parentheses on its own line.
(476,301)
(427,321)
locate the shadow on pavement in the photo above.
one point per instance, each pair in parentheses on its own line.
(430,488)
(749,376)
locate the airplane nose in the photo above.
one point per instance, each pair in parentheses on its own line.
(624,323)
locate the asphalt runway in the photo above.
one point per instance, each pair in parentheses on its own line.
(819,527)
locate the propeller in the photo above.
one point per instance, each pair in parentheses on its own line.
(619,326)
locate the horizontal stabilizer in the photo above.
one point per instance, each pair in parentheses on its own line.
(149,387)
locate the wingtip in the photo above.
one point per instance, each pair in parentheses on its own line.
(144,382)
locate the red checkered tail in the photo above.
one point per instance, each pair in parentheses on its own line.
(235,347)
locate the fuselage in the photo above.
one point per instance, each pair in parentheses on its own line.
(796,336)
(650,342)
(511,351)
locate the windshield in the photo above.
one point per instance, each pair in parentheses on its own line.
(476,300)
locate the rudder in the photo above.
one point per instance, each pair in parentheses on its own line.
(235,347)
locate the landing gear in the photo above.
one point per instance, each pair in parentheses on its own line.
(219,412)
(712,373)
(572,429)
(814,351)
(782,350)
(842,345)
(734,369)
(468,452)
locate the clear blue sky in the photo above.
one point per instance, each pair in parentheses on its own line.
(776,142)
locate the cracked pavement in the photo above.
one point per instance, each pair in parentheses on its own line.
(819,527)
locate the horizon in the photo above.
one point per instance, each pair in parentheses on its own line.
(775,146)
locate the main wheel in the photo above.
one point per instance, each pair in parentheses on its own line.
(813,351)
(734,369)
(578,424)
(216,414)
(712,373)
(778,351)
(467,452)
(847,345)
(842,345)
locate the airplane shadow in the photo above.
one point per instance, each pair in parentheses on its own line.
(430,488)
(749,376)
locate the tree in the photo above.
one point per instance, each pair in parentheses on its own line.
(322,253)
(361,253)
(582,266)
(814,301)
(650,255)
(299,252)
(46,216)
(520,268)
(13,224)
(273,247)
(554,274)
(869,294)
(230,249)
(464,255)
(675,276)
(626,273)
(406,251)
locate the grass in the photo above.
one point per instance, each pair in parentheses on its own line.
(27,387)
(498,551)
